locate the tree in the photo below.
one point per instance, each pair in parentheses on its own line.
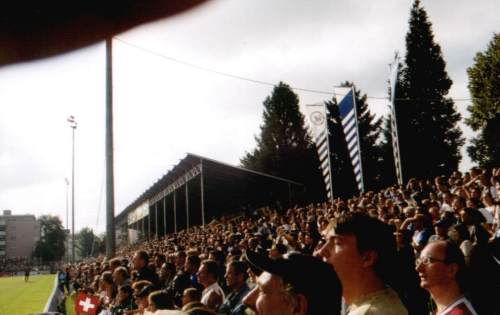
(369,134)
(429,137)
(284,148)
(51,246)
(87,243)
(484,86)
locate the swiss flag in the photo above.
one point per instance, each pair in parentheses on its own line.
(86,304)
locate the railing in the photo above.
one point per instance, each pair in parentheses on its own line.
(56,298)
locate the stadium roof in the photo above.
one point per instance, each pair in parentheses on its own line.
(225,174)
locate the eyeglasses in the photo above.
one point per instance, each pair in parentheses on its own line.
(426,260)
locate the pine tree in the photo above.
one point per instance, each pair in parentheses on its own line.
(484,86)
(284,148)
(427,120)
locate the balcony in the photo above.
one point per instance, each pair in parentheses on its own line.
(2,233)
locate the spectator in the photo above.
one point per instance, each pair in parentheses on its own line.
(167,274)
(191,295)
(296,284)
(120,276)
(277,251)
(124,300)
(236,277)
(140,263)
(192,305)
(141,298)
(108,288)
(212,295)
(160,300)
(182,280)
(440,231)
(362,251)
(441,268)
(114,263)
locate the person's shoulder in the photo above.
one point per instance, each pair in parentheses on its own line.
(460,307)
(385,302)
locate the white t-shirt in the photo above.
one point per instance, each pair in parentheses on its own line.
(487,214)
(214,287)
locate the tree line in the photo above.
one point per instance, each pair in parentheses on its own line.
(52,245)
(429,135)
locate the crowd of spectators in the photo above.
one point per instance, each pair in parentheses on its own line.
(429,247)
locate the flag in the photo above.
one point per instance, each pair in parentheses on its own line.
(318,128)
(349,119)
(393,77)
(86,304)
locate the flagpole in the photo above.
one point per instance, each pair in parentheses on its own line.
(110,194)
(329,154)
(395,138)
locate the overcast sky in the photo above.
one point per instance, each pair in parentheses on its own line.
(165,108)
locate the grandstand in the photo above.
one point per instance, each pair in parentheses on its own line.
(197,190)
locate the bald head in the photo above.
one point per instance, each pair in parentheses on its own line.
(441,265)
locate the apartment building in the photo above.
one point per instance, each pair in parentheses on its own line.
(18,234)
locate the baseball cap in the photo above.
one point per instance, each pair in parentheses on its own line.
(306,275)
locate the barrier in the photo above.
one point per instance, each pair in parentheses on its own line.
(55,298)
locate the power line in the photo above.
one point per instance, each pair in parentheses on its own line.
(234,76)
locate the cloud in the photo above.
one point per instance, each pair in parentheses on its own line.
(164,109)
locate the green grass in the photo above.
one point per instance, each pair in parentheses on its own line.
(20,298)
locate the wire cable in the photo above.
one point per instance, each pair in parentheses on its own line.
(238,77)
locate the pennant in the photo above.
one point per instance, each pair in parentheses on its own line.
(349,120)
(318,129)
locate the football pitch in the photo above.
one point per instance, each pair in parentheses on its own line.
(20,298)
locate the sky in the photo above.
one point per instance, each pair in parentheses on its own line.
(175,90)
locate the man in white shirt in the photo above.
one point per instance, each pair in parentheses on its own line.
(213,295)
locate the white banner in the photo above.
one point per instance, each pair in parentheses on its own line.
(318,129)
(140,212)
(316,118)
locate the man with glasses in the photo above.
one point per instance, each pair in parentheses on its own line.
(441,268)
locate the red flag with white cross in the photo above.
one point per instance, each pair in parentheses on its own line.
(86,304)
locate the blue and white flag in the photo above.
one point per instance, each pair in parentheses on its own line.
(349,119)
(318,129)
(393,77)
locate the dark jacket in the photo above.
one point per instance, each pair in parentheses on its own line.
(147,274)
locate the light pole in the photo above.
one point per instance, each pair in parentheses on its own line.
(72,124)
(67,215)
(67,200)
